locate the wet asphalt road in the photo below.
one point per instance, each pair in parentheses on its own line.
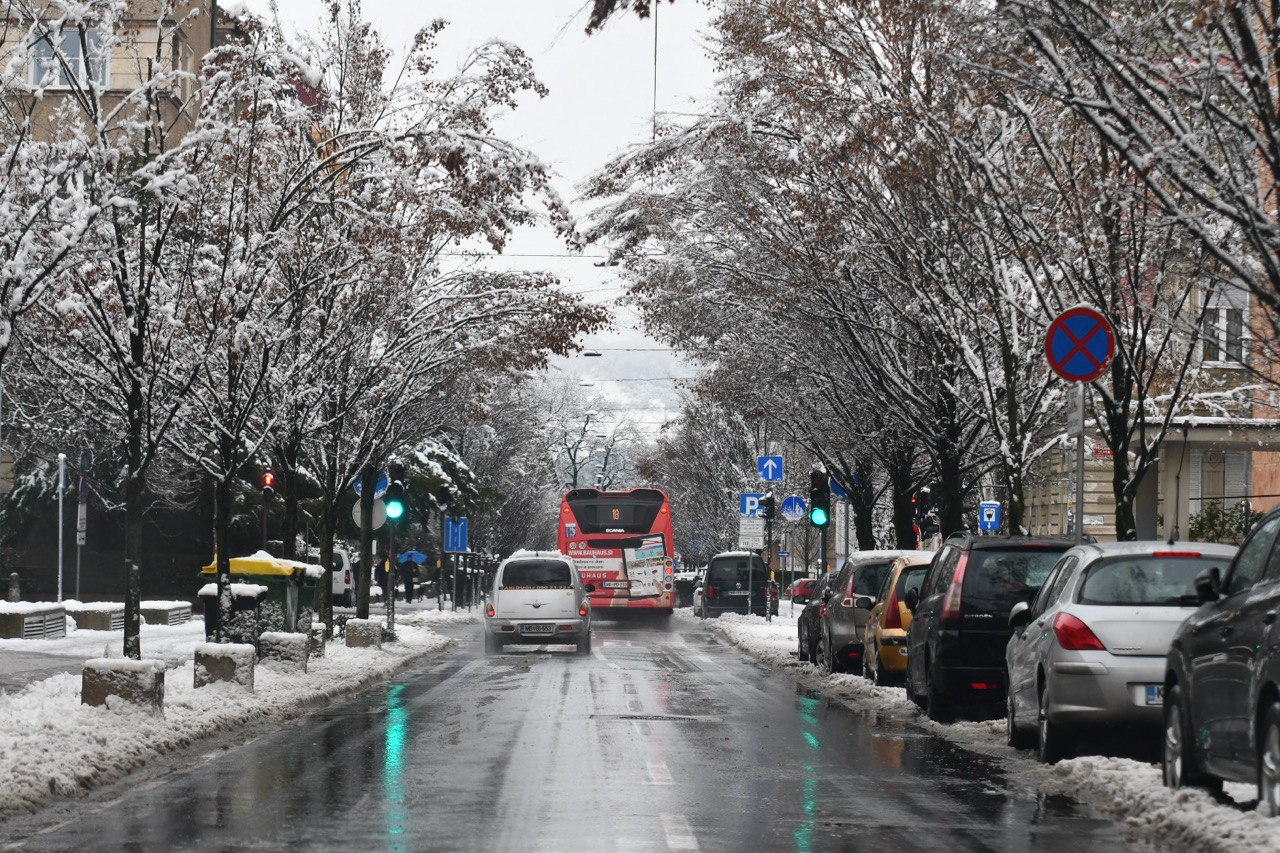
(663,739)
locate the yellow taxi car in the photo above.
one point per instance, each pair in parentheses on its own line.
(885,658)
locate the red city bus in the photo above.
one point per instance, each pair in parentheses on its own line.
(622,544)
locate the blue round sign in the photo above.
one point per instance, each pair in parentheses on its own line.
(1079,344)
(793,508)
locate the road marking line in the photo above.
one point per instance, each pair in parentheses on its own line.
(658,773)
(679,833)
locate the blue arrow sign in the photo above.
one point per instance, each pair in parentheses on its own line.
(838,490)
(770,468)
(455,534)
(417,557)
(378,490)
(793,508)
(989,516)
(749,504)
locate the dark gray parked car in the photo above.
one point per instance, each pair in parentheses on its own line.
(849,597)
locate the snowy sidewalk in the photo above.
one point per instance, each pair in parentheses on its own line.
(52,746)
(1130,792)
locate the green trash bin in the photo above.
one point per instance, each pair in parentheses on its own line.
(292,589)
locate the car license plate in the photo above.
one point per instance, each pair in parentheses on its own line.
(1155,694)
(537,629)
(617,584)
(737,592)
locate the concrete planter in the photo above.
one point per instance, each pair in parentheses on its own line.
(316,641)
(364,634)
(283,650)
(132,682)
(225,662)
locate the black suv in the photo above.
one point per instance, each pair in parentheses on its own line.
(732,580)
(1222,684)
(957,639)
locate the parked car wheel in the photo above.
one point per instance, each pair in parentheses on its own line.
(1178,760)
(802,651)
(1269,762)
(1016,737)
(831,662)
(911,689)
(869,672)
(584,647)
(491,645)
(1054,744)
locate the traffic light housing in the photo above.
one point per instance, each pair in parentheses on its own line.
(268,484)
(394,498)
(819,499)
(768,507)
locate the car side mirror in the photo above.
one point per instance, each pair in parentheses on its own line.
(912,600)
(589,587)
(1019,615)
(1209,585)
(826,595)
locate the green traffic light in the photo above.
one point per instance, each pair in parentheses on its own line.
(395,509)
(818,516)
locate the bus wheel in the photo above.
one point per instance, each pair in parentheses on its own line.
(662,617)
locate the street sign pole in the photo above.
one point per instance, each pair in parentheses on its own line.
(1079,520)
(62,485)
(1079,345)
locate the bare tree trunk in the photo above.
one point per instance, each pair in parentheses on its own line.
(368,482)
(327,525)
(901,487)
(864,504)
(222,547)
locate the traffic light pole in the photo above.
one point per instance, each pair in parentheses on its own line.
(391,576)
(768,550)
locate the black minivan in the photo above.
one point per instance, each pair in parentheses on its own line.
(1222,685)
(732,580)
(957,639)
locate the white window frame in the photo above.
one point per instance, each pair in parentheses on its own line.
(47,75)
(1215,342)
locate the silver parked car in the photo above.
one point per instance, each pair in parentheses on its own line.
(537,599)
(1090,649)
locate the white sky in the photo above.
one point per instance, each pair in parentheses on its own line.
(601,101)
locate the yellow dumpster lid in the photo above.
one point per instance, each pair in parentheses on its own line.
(262,563)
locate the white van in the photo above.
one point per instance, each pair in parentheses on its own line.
(537,599)
(344,578)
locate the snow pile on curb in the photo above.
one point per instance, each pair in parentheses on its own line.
(52,746)
(1134,793)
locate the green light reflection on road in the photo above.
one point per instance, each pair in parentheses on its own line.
(393,765)
(803,833)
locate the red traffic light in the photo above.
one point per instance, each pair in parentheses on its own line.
(268,480)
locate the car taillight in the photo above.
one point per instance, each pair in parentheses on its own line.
(1075,636)
(488,610)
(951,604)
(1192,554)
(892,616)
(348,576)
(582,611)
(711,592)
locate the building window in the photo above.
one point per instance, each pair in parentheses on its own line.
(1222,329)
(60,59)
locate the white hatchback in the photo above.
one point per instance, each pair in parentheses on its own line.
(537,599)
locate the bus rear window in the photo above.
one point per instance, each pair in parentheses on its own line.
(536,574)
(601,512)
